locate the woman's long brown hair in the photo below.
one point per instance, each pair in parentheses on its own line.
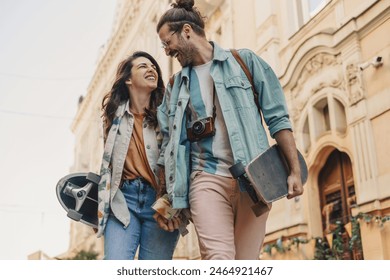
(119,92)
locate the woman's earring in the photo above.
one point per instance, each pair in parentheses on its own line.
(128,82)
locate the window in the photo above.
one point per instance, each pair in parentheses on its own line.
(321,117)
(306,9)
(325,112)
(325,116)
(315,6)
(340,117)
(306,135)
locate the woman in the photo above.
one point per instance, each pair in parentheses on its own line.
(129,184)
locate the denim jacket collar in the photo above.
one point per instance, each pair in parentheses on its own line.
(122,108)
(219,54)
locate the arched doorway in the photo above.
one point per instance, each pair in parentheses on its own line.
(337,196)
(337,190)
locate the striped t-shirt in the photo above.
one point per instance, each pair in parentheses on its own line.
(213,154)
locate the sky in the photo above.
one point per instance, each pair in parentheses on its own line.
(48,53)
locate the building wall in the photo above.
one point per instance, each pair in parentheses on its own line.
(317,56)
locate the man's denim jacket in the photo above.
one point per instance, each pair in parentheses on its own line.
(245,129)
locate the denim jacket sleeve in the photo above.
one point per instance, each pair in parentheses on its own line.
(162,116)
(271,96)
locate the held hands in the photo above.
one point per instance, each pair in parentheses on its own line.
(165,224)
(167,218)
(162,205)
(170,219)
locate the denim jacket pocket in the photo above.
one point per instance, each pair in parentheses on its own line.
(237,81)
(241,91)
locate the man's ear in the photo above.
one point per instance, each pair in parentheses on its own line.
(187,28)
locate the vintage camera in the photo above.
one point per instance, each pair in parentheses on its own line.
(200,129)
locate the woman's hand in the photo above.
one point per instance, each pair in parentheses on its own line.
(165,224)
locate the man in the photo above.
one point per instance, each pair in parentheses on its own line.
(210,121)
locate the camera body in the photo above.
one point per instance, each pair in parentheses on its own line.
(200,129)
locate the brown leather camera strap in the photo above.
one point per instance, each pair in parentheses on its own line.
(214,108)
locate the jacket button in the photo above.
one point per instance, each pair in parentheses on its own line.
(242,83)
(147,146)
(170,178)
(145,125)
(179,103)
(169,112)
(174,126)
(171,153)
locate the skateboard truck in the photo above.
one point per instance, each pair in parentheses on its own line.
(79,195)
(259,207)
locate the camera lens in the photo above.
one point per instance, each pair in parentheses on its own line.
(198,127)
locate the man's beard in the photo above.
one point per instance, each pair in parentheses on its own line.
(186,53)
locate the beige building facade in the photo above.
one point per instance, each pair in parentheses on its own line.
(332,58)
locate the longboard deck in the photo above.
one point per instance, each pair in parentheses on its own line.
(268,174)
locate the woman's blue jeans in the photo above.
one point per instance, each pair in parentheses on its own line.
(154,243)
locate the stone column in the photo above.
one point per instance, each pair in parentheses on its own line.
(364,159)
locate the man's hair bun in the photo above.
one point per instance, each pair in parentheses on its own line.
(185,4)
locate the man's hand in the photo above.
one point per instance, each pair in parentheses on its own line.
(165,224)
(286,142)
(295,187)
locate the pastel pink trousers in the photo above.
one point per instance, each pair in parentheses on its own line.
(226,226)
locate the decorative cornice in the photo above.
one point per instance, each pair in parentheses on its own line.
(331,38)
(321,71)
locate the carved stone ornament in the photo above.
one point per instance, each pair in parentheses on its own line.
(354,83)
(321,71)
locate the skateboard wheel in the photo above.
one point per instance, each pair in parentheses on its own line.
(74,215)
(237,170)
(94,178)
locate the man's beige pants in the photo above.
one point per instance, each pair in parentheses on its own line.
(226,226)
